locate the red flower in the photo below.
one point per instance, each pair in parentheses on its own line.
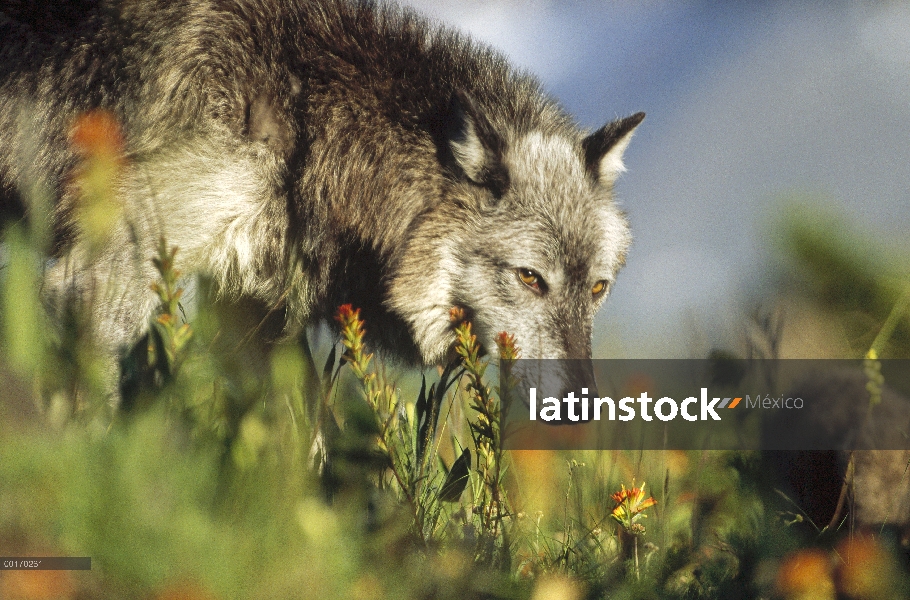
(97,133)
(507,349)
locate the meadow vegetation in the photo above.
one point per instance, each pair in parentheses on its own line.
(229,472)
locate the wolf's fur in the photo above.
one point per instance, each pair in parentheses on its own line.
(309,153)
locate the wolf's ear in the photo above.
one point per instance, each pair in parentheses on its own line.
(604,148)
(477,148)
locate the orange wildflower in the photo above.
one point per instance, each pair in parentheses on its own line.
(507,349)
(629,506)
(97,133)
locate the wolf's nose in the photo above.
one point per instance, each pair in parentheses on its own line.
(581,376)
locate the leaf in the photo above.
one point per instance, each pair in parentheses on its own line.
(329,364)
(446,381)
(457,479)
(428,410)
(424,429)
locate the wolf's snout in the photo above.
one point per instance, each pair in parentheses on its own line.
(557,379)
(580,377)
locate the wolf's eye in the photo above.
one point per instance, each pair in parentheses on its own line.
(599,287)
(530,279)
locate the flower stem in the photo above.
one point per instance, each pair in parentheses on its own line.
(888,327)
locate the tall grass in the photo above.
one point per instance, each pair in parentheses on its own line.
(235,476)
(232,469)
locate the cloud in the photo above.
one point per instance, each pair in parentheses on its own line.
(509,25)
(813,106)
(554,40)
(886,32)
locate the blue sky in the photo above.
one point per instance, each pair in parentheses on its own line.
(748,103)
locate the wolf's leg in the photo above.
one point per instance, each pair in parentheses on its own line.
(215,202)
(109,297)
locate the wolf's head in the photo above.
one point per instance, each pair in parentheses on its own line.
(526,238)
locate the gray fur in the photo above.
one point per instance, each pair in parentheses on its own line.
(311,153)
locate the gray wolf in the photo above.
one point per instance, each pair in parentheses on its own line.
(310,153)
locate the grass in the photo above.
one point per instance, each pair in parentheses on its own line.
(219,481)
(231,473)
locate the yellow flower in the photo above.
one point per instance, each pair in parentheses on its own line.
(629,506)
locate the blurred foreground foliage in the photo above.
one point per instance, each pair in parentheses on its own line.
(236,470)
(853,278)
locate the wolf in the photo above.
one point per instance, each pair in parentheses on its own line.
(310,153)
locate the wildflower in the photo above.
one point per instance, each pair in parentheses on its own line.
(97,139)
(97,133)
(352,338)
(168,334)
(457,315)
(630,504)
(866,569)
(351,324)
(507,348)
(806,575)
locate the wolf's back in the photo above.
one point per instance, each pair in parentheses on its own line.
(168,69)
(307,154)
(49,18)
(51,67)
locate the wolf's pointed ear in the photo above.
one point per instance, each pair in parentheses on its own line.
(604,148)
(476,146)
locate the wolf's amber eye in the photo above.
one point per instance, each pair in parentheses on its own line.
(530,278)
(599,287)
